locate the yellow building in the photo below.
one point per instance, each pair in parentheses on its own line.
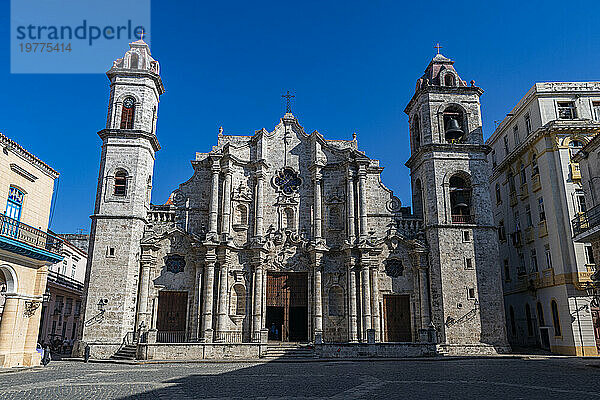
(26,250)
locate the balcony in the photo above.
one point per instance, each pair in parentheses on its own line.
(542,229)
(529,234)
(536,183)
(524,191)
(587,225)
(26,240)
(463,219)
(65,281)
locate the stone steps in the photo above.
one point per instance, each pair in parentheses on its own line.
(289,350)
(127,352)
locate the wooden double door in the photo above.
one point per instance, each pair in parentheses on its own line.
(171,319)
(287,306)
(397,318)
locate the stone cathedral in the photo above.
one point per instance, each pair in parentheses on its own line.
(283,236)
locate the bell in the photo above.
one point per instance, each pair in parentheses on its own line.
(453,132)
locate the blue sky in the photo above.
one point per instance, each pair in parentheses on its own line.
(351,65)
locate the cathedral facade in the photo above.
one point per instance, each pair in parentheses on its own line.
(286,236)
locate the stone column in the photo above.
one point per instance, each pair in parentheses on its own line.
(318,296)
(260,182)
(257,303)
(424,292)
(9,350)
(207,309)
(317,203)
(222,302)
(226,223)
(214,198)
(143,315)
(366,299)
(352,305)
(362,201)
(350,205)
(375,303)
(197,303)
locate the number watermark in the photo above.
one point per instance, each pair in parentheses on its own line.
(74,36)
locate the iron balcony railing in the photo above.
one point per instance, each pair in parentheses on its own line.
(65,281)
(586,221)
(463,219)
(24,233)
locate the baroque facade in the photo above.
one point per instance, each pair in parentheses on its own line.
(537,189)
(286,236)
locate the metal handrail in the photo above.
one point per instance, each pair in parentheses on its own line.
(27,234)
(586,221)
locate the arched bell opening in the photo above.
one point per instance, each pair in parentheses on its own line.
(454,125)
(460,200)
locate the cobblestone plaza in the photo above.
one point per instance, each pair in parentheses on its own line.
(526,378)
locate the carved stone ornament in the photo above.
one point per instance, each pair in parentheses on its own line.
(175,263)
(287,181)
(394,204)
(394,267)
(286,250)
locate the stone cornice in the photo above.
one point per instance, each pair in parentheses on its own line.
(552,127)
(459,148)
(137,73)
(130,133)
(19,151)
(442,90)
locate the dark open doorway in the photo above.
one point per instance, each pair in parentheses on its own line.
(397,318)
(287,306)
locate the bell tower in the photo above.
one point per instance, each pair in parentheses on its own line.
(450,184)
(129,144)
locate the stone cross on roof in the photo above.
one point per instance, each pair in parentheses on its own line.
(288,105)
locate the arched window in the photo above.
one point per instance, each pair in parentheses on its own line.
(416,128)
(288,219)
(128,113)
(238,300)
(241,215)
(120,188)
(454,129)
(134,62)
(449,80)
(555,318)
(460,200)
(336,301)
(540,314)
(529,320)
(513,325)
(14,203)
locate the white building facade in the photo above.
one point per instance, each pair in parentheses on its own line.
(536,190)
